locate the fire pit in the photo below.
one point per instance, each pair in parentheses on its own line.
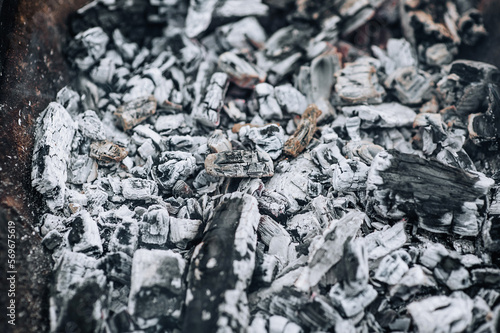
(385,229)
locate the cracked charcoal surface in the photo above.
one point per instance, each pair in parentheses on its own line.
(220,166)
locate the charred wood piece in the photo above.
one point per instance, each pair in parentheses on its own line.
(136,111)
(240,164)
(432,183)
(304,132)
(216,293)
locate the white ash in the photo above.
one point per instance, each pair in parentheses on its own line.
(374,213)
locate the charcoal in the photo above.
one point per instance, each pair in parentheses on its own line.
(82,169)
(329,253)
(400,54)
(219,143)
(392,267)
(461,215)
(245,33)
(269,139)
(240,72)
(199,17)
(416,280)
(290,99)
(53,136)
(88,47)
(182,231)
(471,28)
(171,124)
(306,225)
(117,267)
(139,189)
(96,198)
(127,49)
(135,111)
(292,182)
(483,127)
(362,188)
(438,54)
(239,164)
(125,238)
(147,132)
(107,152)
(52,239)
(69,99)
(382,242)
(442,313)
(349,175)
(216,295)
(383,116)
(327,156)
(51,222)
(147,149)
(357,83)
(234,9)
(410,85)
(323,68)
(84,234)
(174,166)
(207,113)
(364,150)
(269,229)
(273,204)
(304,132)
(269,107)
(158,293)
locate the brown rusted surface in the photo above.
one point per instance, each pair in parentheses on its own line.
(33,69)
(304,132)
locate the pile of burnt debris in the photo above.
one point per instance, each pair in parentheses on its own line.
(227,165)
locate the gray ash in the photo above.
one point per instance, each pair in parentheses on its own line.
(240,166)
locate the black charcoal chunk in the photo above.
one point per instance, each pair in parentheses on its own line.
(240,72)
(139,189)
(385,115)
(269,107)
(183,231)
(417,280)
(349,175)
(290,99)
(79,296)
(53,137)
(329,253)
(84,234)
(270,138)
(155,226)
(199,16)
(392,267)
(444,198)
(218,142)
(88,47)
(216,296)
(442,313)
(174,166)
(125,238)
(157,288)
(207,112)
(357,83)
(240,164)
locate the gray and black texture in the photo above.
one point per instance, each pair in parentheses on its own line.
(247,168)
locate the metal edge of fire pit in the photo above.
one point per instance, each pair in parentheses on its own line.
(32,69)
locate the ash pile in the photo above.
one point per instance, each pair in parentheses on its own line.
(273,166)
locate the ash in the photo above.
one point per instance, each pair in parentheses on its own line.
(271,166)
